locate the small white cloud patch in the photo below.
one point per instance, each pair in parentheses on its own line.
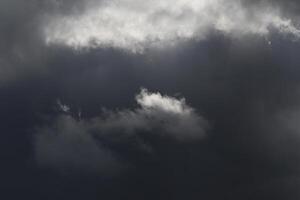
(63,107)
(167,104)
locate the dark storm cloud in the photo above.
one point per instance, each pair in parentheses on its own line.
(237,86)
(77,143)
(247,87)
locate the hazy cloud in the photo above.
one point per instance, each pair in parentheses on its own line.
(68,146)
(78,143)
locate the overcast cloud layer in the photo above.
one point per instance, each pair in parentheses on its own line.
(236,136)
(135,25)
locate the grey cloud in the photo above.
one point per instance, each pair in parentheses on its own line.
(78,144)
(21,49)
(68,147)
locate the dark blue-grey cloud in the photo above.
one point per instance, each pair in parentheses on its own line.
(245,86)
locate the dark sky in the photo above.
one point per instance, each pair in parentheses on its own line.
(131,99)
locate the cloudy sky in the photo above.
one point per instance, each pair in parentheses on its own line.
(161,99)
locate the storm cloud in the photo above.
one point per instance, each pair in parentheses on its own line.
(71,129)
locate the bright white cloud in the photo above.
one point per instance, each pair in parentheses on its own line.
(135,24)
(156,101)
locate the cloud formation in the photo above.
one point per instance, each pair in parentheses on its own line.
(135,25)
(169,116)
(78,144)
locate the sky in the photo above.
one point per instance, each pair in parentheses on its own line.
(161,99)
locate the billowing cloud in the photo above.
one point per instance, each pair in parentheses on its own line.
(81,144)
(135,25)
(169,116)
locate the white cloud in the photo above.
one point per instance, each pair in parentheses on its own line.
(156,101)
(135,24)
(157,114)
(77,144)
(63,107)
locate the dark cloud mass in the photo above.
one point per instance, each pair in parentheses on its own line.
(219,118)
